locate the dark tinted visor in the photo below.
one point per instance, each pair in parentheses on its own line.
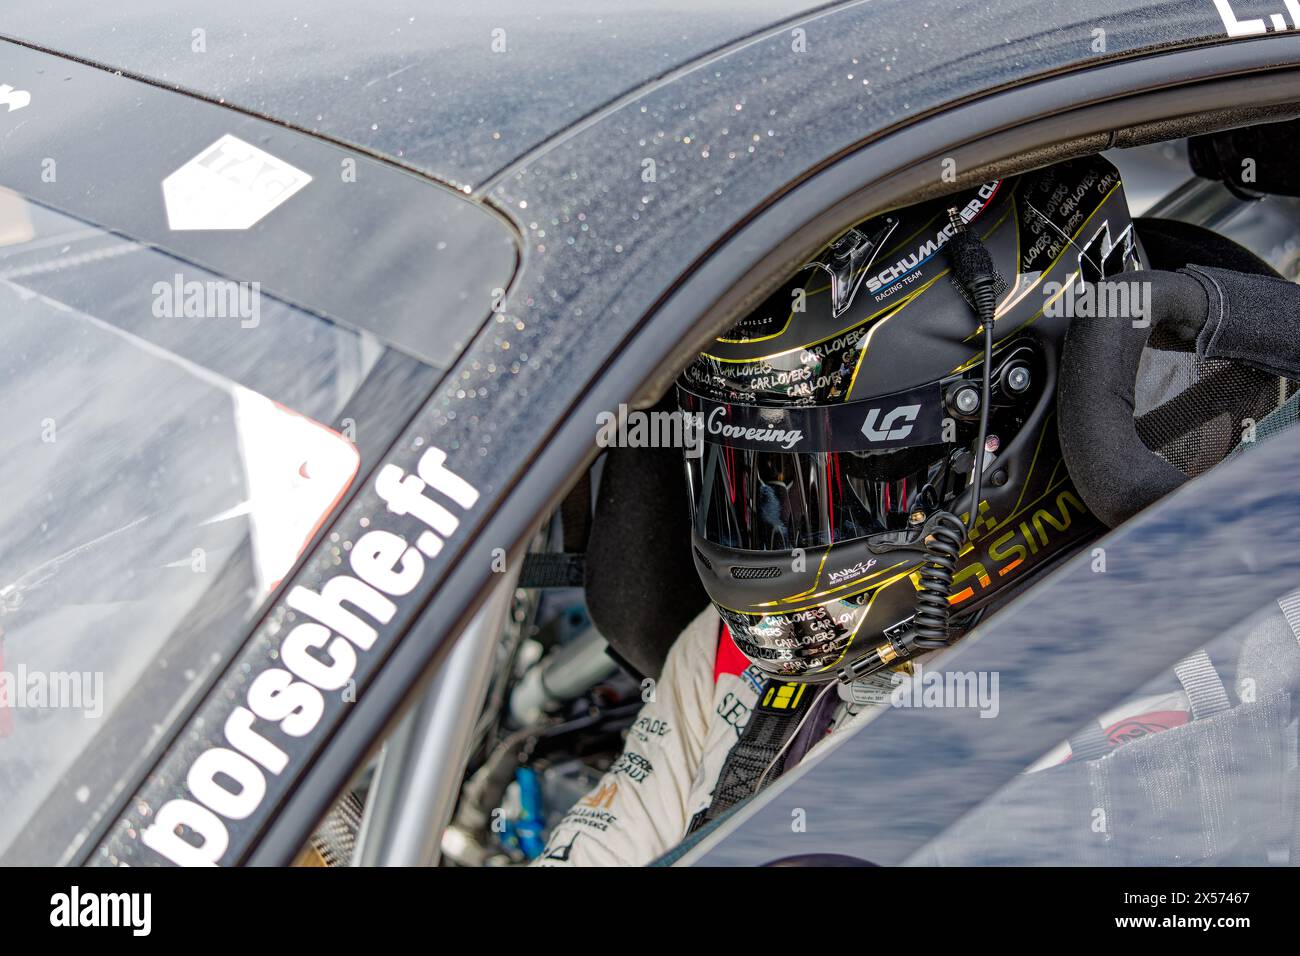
(777,501)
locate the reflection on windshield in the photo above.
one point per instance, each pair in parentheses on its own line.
(157,433)
(1198,767)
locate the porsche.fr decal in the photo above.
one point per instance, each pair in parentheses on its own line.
(335,627)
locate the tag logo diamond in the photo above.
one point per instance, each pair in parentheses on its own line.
(230,185)
(14,99)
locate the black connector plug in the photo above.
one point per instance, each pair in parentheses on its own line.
(971,263)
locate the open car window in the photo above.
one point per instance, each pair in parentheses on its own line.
(1092,648)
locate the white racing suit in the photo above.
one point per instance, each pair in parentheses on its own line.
(677,747)
(673,757)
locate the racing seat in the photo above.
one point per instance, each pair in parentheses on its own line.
(640,580)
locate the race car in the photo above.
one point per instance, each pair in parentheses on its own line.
(318,545)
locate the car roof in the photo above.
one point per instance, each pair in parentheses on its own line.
(456,92)
(734,139)
(463,95)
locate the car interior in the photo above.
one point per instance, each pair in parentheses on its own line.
(588,614)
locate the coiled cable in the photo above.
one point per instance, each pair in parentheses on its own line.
(945,534)
(942,546)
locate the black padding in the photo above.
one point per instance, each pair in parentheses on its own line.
(1252,319)
(969,259)
(642,589)
(1116,473)
(1253,159)
(1170,245)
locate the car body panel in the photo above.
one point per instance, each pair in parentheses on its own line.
(729,137)
(455,91)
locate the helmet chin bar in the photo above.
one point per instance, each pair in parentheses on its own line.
(784,585)
(785,609)
(768,582)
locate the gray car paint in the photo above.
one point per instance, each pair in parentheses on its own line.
(609,258)
(433,85)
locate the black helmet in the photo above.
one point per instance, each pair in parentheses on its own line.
(839,422)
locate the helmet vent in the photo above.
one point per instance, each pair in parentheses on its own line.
(699,556)
(754,573)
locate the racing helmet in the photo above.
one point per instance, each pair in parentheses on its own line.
(838,424)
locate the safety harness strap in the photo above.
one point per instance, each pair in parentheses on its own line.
(1089,743)
(1203,686)
(567,568)
(781,705)
(1290,605)
(552,569)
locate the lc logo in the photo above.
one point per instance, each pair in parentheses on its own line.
(1246,28)
(896,425)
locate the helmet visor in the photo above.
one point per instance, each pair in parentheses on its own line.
(776,501)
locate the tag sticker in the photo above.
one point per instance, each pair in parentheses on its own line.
(14,99)
(296,471)
(230,185)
